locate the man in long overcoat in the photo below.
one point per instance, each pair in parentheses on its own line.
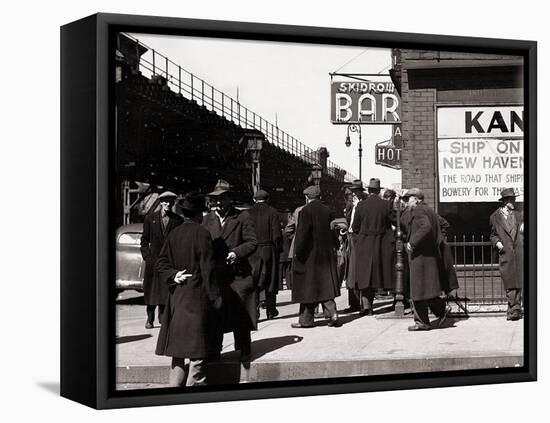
(234,241)
(156,228)
(371,222)
(423,245)
(265,260)
(191,327)
(315,277)
(507,239)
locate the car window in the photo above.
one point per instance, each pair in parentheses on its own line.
(129,238)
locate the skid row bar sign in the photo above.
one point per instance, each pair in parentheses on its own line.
(480,152)
(388,153)
(364,103)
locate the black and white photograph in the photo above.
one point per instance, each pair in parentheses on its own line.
(292,211)
(241,211)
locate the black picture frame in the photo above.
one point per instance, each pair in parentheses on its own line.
(87,315)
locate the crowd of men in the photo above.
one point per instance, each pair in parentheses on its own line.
(209,271)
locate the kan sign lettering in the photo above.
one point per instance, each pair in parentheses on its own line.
(364,103)
(480,152)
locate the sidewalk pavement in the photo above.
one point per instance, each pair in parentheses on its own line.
(369,345)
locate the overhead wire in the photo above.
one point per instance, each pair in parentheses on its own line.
(351,60)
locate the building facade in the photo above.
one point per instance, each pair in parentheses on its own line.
(462,117)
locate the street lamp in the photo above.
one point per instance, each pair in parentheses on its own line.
(316,173)
(356,128)
(399,309)
(254,144)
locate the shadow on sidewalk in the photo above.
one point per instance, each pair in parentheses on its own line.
(229,369)
(132,338)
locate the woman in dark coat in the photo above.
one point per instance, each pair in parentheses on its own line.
(156,228)
(191,327)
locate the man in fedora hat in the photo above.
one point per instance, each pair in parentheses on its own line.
(265,260)
(372,220)
(507,238)
(315,277)
(156,227)
(234,241)
(191,327)
(424,241)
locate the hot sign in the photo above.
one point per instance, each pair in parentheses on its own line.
(388,153)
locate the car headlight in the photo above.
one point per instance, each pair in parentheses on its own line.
(129,238)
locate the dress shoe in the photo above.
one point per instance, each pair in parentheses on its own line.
(149,325)
(418,327)
(350,310)
(300,326)
(367,312)
(334,323)
(513,317)
(272,314)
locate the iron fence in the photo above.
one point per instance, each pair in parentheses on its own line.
(476,266)
(181,81)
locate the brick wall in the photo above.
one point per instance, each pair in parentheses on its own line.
(418,154)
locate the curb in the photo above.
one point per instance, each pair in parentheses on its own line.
(264,371)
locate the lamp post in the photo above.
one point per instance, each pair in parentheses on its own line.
(254,143)
(356,128)
(399,266)
(316,173)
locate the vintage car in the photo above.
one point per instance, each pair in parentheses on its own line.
(130,266)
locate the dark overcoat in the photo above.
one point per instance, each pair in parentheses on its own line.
(315,277)
(425,238)
(239,292)
(191,325)
(510,259)
(370,223)
(152,241)
(265,260)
